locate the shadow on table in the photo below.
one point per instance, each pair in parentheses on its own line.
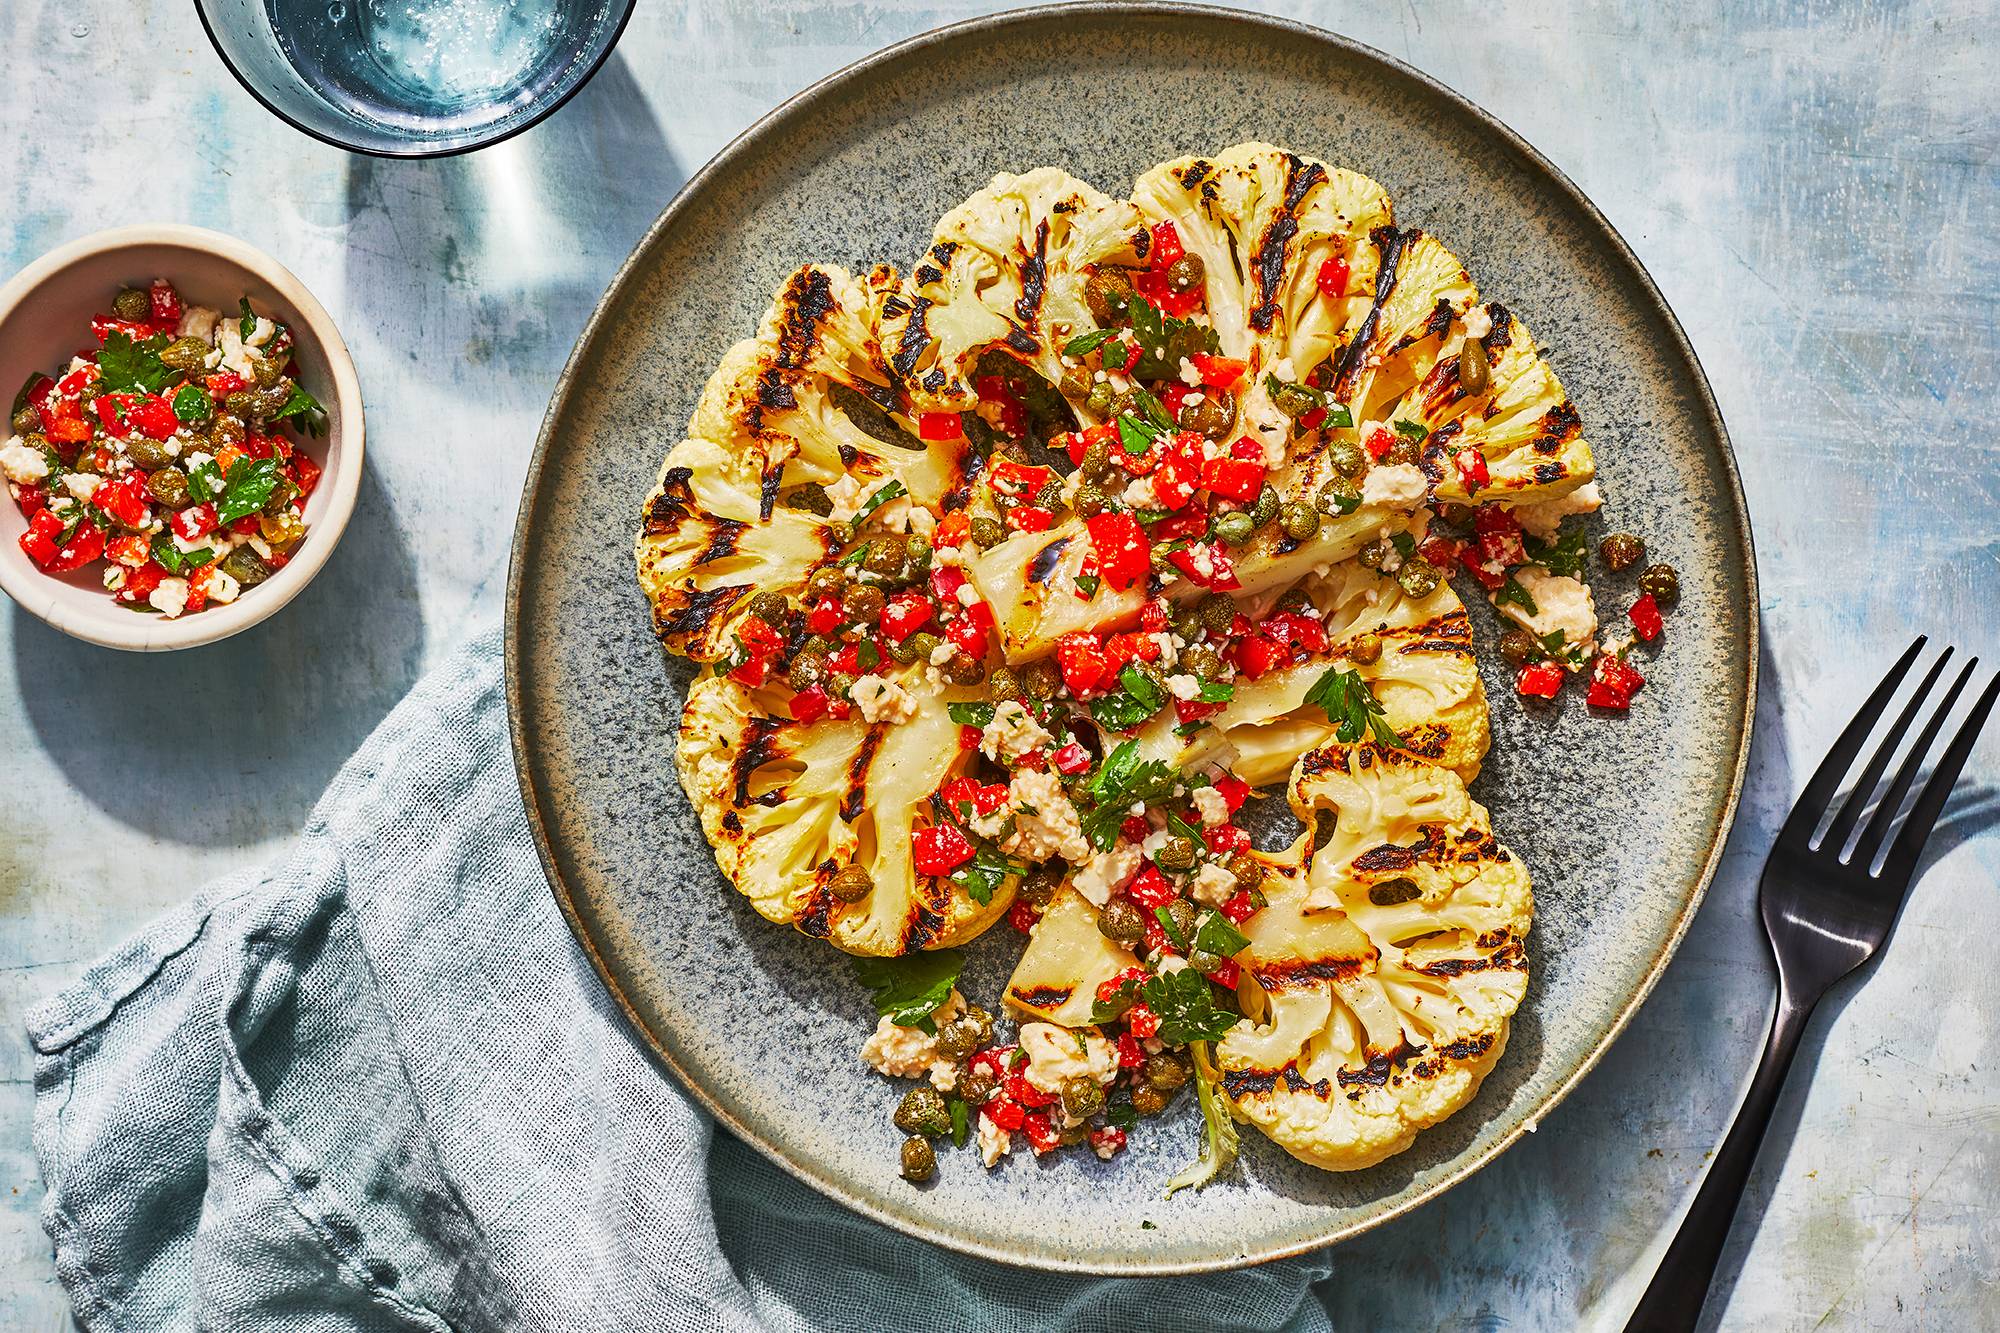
(232,742)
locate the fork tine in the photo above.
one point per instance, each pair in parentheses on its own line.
(1864,787)
(1913,763)
(1825,784)
(1909,845)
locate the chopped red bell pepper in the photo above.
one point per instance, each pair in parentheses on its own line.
(939,849)
(1166,245)
(1234,791)
(82,548)
(906,613)
(1380,441)
(1134,828)
(752,673)
(1646,622)
(1226,839)
(1333,278)
(845,660)
(1042,1134)
(1313,419)
(1128,646)
(1613,682)
(1540,680)
(1226,974)
(1219,372)
(1079,442)
(103,326)
(305,473)
(825,616)
(1190,524)
(129,549)
(1023,915)
(1238,479)
(969,737)
(166,305)
(946,580)
(1141,1021)
(983,797)
(124,498)
(971,632)
(1238,909)
(952,529)
(33,498)
(1107,1140)
(139,583)
(112,411)
(758,636)
(1020,479)
(1123,552)
(1256,656)
(1071,760)
(1210,568)
(1293,630)
(1174,396)
(810,703)
(257,446)
(1180,471)
(1130,1053)
(224,382)
(1247,448)
(1441,552)
(994,389)
(1160,292)
(939,426)
(1081,657)
(1499,535)
(39,541)
(1472,470)
(1154,617)
(1149,888)
(1005,1114)
(1029,518)
(194,521)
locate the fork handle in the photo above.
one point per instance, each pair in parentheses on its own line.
(1673,1302)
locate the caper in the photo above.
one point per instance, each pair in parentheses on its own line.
(1519,647)
(1236,528)
(1185,618)
(1204,962)
(1347,458)
(958,1039)
(980,1020)
(827,582)
(1071,1135)
(1268,506)
(1218,613)
(886,555)
(25,420)
(146,452)
(812,498)
(1164,1072)
(1081,1096)
(1108,293)
(282,495)
(1096,460)
(917,555)
(1043,679)
(1100,399)
(976,1085)
(1366,649)
(1090,501)
(863,603)
(1338,496)
(820,645)
(807,670)
(268,374)
(1203,661)
(987,532)
(1474,371)
(186,355)
(257,404)
(905,652)
(840,683)
(1149,1100)
(132,304)
(1294,600)
(245,566)
(1161,562)
(919,1160)
(1247,869)
(1120,920)
(923,1111)
(962,668)
(922,644)
(1002,683)
(1375,554)
(1074,385)
(1186,273)
(1458,515)
(1418,577)
(1175,854)
(169,486)
(1662,583)
(1300,520)
(226,432)
(1620,551)
(1392,891)
(1405,452)
(771,608)
(1040,883)
(1295,400)
(1183,914)
(1212,417)
(851,884)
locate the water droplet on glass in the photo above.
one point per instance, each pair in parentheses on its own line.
(80,30)
(336,13)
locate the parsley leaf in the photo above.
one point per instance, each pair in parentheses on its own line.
(1346,700)
(855,556)
(970,714)
(1410,430)
(1184,1002)
(1122,1115)
(313,417)
(887,492)
(248,324)
(961,1121)
(1405,544)
(250,483)
(1564,556)
(1120,781)
(1089,583)
(911,988)
(1136,436)
(1164,340)
(1219,1141)
(1215,692)
(1219,936)
(983,875)
(1137,700)
(125,366)
(192,405)
(1166,920)
(204,480)
(1086,343)
(1513,592)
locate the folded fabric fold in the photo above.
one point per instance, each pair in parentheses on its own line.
(379,1087)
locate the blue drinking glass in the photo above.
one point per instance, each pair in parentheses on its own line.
(413,78)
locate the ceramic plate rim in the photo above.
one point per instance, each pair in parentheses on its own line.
(775,121)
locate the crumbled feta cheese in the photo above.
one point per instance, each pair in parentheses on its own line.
(1106,873)
(198,321)
(1045,823)
(968,596)
(1170,648)
(1057,1054)
(902,1052)
(1478,323)
(1214,810)
(263,548)
(944,652)
(922,521)
(1139,494)
(882,700)
(1012,733)
(1397,485)
(994,1142)
(1561,603)
(1184,687)
(222,588)
(235,356)
(1541,520)
(1187,374)
(82,485)
(23,464)
(1214,885)
(169,597)
(948,556)
(847,495)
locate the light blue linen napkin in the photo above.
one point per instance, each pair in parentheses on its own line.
(378,1086)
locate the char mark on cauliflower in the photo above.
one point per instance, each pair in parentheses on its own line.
(1034,277)
(674,504)
(1189,176)
(1502,334)
(805,303)
(1043,997)
(916,336)
(856,800)
(1436,325)
(692,619)
(1305,973)
(928,910)
(1269,260)
(1559,425)
(723,540)
(760,747)
(1043,563)
(1391,243)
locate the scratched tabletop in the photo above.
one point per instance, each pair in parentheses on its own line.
(1815,190)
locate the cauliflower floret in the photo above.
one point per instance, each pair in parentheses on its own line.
(1066,960)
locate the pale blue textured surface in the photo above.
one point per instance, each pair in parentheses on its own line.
(1816,195)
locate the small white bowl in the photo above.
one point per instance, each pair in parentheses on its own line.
(45,317)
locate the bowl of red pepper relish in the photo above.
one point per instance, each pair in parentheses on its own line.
(121,557)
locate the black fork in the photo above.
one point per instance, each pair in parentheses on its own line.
(1825,915)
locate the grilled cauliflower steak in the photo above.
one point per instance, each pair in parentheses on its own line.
(787,806)
(1389,965)
(1009,580)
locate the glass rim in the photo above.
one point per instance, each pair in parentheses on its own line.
(541,114)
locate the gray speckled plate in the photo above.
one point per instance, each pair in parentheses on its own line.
(763,1024)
